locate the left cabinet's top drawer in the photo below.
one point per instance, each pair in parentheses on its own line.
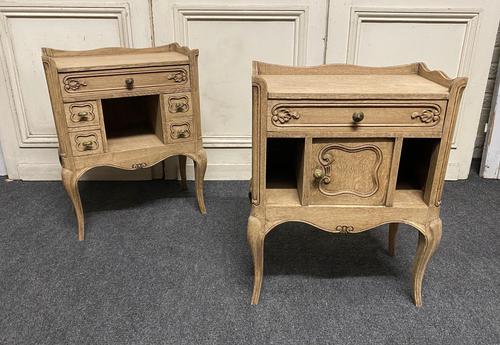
(124,82)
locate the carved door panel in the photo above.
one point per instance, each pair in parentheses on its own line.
(350,171)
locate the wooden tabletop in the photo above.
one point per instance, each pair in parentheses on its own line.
(354,86)
(93,62)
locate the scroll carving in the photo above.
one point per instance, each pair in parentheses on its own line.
(283,115)
(344,229)
(328,163)
(178,77)
(73,84)
(427,115)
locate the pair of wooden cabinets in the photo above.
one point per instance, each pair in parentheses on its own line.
(344,148)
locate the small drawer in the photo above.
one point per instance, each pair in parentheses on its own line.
(178,104)
(421,116)
(86,142)
(166,79)
(179,131)
(81,114)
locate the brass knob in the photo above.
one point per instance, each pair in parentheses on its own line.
(83,115)
(358,116)
(129,82)
(87,145)
(318,173)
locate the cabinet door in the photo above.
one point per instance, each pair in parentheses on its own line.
(27,133)
(350,171)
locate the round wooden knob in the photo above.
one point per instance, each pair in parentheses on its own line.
(318,173)
(358,116)
(129,83)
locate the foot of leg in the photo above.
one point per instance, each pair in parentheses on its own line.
(393,230)
(255,235)
(70,182)
(427,244)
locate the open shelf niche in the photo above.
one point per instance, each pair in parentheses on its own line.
(133,122)
(284,162)
(416,158)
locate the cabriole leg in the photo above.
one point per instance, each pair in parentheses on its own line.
(256,235)
(200,166)
(70,182)
(427,244)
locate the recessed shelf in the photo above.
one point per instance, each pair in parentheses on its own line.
(132,122)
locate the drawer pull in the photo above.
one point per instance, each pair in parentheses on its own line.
(183,133)
(129,83)
(87,145)
(358,116)
(83,115)
(318,173)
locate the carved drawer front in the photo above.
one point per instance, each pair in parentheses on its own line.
(81,114)
(350,171)
(86,142)
(178,104)
(166,79)
(179,131)
(421,116)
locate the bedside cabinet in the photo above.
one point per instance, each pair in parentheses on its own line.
(347,148)
(125,108)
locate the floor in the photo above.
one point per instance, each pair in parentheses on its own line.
(152,270)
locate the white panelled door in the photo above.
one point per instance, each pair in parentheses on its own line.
(456,36)
(229,36)
(27,130)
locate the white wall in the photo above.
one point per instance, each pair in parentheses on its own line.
(3,171)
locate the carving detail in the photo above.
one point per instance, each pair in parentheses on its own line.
(178,77)
(427,115)
(326,159)
(140,165)
(81,112)
(178,104)
(180,131)
(86,142)
(73,84)
(283,115)
(344,229)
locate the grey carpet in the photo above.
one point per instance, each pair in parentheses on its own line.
(154,271)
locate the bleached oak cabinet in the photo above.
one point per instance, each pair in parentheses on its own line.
(125,108)
(348,148)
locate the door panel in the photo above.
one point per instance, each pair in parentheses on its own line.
(28,133)
(229,37)
(448,35)
(350,171)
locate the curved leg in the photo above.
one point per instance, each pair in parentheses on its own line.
(182,170)
(393,230)
(200,166)
(70,182)
(255,236)
(427,244)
